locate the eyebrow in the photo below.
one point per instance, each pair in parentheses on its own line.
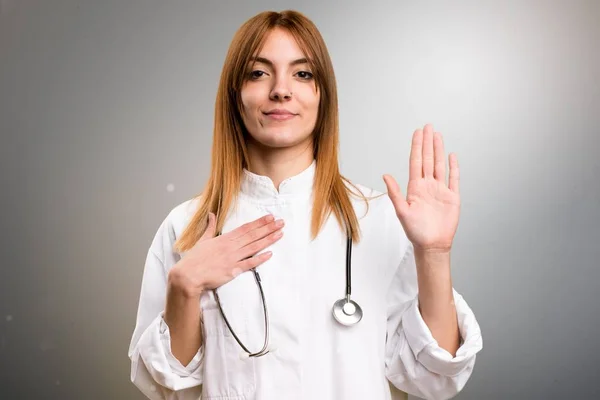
(270,63)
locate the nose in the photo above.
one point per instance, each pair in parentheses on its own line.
(281,90)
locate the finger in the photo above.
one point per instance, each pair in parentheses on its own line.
(415,163)
(259,233)
(209,232)
(439,172)
(454,173)
(428,151)
(256,246)
(253,262)
(395,194)
(249,226)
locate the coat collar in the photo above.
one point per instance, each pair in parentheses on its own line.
(259,188)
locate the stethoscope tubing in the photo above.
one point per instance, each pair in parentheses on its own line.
(338,311)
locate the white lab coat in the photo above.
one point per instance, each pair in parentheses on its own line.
(315,357)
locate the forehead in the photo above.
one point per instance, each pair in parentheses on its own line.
(280,46)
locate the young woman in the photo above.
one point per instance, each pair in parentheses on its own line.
(282,279)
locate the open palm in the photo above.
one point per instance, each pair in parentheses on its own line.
(430,212)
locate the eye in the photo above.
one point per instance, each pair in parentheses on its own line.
(305,75)
(256,74)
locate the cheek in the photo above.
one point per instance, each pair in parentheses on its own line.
(249,102)
(314,106)
(315,100)
(310,101)
(245,106)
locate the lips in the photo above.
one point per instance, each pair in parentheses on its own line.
(279,115)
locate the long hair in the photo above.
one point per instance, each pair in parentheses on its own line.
(229,151)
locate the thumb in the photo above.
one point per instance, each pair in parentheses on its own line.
(210,228)
(395,194)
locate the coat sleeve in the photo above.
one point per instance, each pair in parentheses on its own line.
(414,361)
(154,369)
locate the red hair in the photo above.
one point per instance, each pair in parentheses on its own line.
(229,151)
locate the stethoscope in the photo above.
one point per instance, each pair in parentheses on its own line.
(345,311)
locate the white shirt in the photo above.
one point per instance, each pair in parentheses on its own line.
(315,356)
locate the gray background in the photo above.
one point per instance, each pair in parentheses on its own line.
(106,118)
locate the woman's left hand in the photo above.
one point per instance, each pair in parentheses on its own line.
(430,212)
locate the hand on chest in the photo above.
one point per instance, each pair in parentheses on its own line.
(302,281)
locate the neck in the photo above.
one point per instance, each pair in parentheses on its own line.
(279,164)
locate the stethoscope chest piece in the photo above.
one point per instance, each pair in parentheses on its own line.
(347,312)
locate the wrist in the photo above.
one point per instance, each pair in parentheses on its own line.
(434,276)
(180,286)
(431,251)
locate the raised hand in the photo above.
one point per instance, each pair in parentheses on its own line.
(429,214)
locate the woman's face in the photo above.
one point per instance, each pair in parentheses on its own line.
(280,100)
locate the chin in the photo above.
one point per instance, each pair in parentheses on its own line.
(278,143)
(279,139)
